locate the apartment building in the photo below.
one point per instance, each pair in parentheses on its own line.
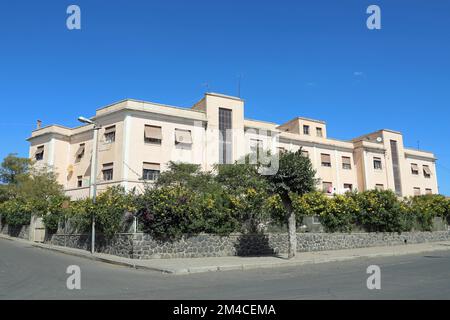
(137,139)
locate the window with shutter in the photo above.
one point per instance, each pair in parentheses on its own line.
(325,160)
(152,134)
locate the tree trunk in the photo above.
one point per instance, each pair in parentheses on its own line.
(292,227)
(292,231)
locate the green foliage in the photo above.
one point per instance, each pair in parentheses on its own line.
(310,204)
(382,211)
(16,212)
(186,175)
(340,214)
(110,209)
(248,192)
(57,211)
(274,206)
(295,175)
(13,169)
(425,208)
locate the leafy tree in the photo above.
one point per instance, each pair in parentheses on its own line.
(295,175)
(110,210)
(186,175)
(248,191)
(13,169)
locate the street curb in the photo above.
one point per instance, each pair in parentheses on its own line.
(219,268)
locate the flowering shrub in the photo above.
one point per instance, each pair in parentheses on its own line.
(382,211)
(340,214)
(16,212)
(310,204)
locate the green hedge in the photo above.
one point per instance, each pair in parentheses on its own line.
(373,211)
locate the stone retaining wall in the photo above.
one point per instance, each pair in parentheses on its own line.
(142,246)
(22,232)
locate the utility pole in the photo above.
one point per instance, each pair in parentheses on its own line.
(93,180)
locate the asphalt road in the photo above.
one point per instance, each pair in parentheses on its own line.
(27,272)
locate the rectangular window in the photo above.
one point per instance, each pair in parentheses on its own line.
(414,169)
(325,160)
(346,163)
(348,187)
(152,134)
(319,132)
(417,191)
(39,154)
(183,136)
(327,187)
(150,171)
(80,152)
(426,172)
(377,164)
(110,134)
(225,136)
(428,191)
(79,181)
(305,153)
(306,130)
(379,187)
(108,171)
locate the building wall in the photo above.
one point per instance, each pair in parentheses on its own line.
(130,151)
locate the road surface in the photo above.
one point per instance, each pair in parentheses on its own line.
(28,272)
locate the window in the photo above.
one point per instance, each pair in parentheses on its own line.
(152,134)
(150,171)
(306,130)
(108,171)
(225,141)
(39,154)
(414,169)
(379,187)
(183,136)
(428,191)
(305,153)
(346,163)
(325,160)
(426,172)
(348,187)
(80,152)
(319,132)
(281,150)
(79,181)
(327,187)
(417,191)
(110,134)
(377,164)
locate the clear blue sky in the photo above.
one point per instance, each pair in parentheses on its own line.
(297,58)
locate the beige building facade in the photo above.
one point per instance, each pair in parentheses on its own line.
(137,139)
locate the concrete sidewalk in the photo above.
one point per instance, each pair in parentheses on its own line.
(196,265)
